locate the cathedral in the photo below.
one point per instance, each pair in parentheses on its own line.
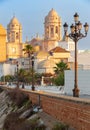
(50,49)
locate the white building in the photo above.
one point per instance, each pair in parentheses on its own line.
(84,60)
(6,69)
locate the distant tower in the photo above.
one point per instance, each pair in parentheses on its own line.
(14,31)
(52,26)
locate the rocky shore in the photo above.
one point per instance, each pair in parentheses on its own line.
(24,113)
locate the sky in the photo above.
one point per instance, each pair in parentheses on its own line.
(31,14)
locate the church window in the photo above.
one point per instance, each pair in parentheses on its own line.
(56,29)
(12,25)
(47,30)
(52,30)
(17,35)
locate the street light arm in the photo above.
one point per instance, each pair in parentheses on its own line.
(76,36)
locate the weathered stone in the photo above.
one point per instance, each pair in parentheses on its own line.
(27,113)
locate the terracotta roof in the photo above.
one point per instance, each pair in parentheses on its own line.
(58,49)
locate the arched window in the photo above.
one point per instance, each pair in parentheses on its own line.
(56,29)
(52,30)
(17,35)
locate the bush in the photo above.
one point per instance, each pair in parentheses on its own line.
(59,80)
(18,97)
(60,126)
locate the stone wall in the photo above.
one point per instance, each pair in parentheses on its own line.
(72,111)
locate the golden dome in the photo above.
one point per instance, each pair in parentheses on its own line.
(2,30)
(14,20)
(52,16)
(52,13)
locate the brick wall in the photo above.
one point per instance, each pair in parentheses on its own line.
(72,111)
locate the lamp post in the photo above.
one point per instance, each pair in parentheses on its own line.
(76,35)
(32,60)
(17,75)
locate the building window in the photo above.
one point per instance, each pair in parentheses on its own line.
(56,29)
(47,30)
(12,25)
(52,30)
(14,50)
(17,35)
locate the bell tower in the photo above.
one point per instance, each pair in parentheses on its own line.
(14,31)
(52,26)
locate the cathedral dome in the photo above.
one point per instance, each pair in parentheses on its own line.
(52,16)
(52,13)
(2,30)
(14,20)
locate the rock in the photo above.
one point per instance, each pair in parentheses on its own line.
(33,117)
(36,108)
(27,113)
(2,120)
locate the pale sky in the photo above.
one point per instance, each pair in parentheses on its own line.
(31,14)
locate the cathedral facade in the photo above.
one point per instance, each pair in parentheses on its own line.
(2,44)
(50,49)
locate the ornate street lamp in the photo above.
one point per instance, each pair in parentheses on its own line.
(32,60)
(17,75)
(76,35)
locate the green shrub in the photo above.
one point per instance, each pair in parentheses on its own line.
(59,80)
(60,126)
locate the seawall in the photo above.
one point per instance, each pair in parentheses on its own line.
(70,110)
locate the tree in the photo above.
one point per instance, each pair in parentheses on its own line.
(59,73)
(60,67)
(25,76)
(7,78)
(59,80)
(28,50)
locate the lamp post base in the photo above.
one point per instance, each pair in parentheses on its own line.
(33,88)
(76,92)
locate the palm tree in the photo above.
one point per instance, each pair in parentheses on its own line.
(60,67)
(28,50)
(59,71)
(21,75)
